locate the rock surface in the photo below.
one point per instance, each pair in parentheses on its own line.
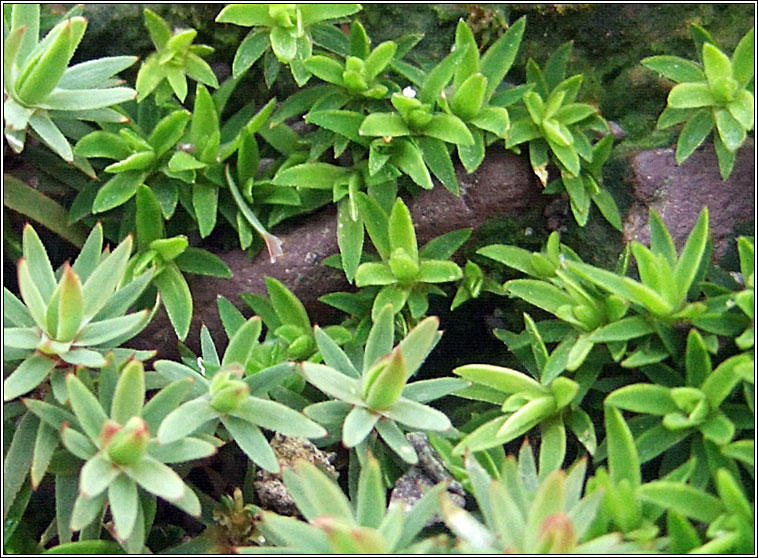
(503,185)
(679,192)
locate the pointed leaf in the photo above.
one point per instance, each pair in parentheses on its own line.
(27,376)
(157,478)
(123,501)
(396,440)
(358,424)
(277,417)
(252,441)
(96,475)
(184,420)
(242,343)
(416,415)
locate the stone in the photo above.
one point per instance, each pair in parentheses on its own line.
(503,185)
(270,488)
(679,192)
(410,487)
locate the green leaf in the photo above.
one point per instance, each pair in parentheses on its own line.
(288,307)
(27,376)
(332,382)
(349,239)
(418,344)
(86,407)
(202,262)
(85,511)
(731,132)
(741,108)
(581,425)
(449,128)
(437,271)
(438,78)
(70,307)
(552,445)
(18,459)
(40,75)
(118,190)
(157,478)
(643,398)
(21,337)
(671,117)
(743,58)
(416,415)
(242,343)
(438,160)
(720,383)
(51,135)
(539,293)
(325,68)
(379,59)
(526,418)
(149,219)
(358,424)
(334,357)
(94,73)
(674,68)
(493,119)
(184,420)
(469,97)
(96,475)
(409,159)
(39,265)
(691,95)
(123,501)
(205,202)
(323,494)
(500,56)
(168,131)
(129,395)
(623,460)
(277,417)
(35,304)
(312,13)
(311,175)
(77,444)
(344,122)
(176,297)
(199,70)
(660,239)
(622,286)
(691,255)
(500,378)
(371,505)
(26,15)
(717,64)
(374,273)
(684,499)
(396,440)
(87,99)
(376,222)
(385,124)
(566,154)
(607,206)
(249,50)
(402,234)
(186,449)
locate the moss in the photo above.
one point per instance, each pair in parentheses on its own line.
(610,40)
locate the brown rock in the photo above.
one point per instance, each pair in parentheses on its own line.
(679,192)
(503,185)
